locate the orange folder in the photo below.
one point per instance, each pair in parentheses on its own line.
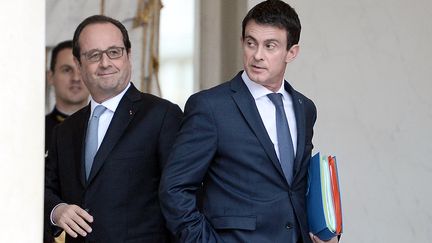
(336,193)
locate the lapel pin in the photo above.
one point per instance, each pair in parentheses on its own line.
(300,101)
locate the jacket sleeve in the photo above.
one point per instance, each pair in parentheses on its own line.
(170,126)
(52,187)
(186,167)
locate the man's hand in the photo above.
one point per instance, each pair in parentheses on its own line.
(72,219)
(315,239)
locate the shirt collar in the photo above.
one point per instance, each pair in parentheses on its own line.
(258,91)
(59,116)
(112,103)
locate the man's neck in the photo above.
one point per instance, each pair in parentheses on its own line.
(69,109)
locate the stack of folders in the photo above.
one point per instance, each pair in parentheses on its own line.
(323,198)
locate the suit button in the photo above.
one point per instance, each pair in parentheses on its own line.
(288,226)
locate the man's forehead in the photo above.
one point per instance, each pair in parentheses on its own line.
(99,35)
(64,54)
(253,24)
(99,25)
(65,51)
(264,32)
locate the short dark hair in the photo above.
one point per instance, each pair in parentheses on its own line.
(60,46)
(276,13)
(98,19)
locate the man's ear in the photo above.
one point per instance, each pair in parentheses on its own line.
(292,53)
(77,62)
(129,54)
(49,75)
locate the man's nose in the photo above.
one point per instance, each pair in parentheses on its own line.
(258,55)
(105,61)
(76,76)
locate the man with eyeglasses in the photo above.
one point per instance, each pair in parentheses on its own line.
(105,161)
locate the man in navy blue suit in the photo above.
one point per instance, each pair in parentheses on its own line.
(251,176)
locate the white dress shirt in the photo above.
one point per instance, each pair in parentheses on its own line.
(106,117)
(267,110)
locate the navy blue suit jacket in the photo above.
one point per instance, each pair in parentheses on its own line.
(121,192)
(224,150)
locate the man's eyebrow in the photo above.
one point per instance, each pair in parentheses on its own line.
(250,37)
(265,41)
(271,40)
(114,46)
(97,49)
(65,65)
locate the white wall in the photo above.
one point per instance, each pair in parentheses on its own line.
(367,65)
(22,120)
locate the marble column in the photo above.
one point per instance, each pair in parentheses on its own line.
(22,59)
(219,27)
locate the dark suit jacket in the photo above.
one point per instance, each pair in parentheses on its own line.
(51,120)
(224,145)
(122,189)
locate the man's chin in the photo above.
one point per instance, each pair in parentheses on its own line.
(256,78)
(77,101)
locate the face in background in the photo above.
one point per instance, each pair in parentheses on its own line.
(107,77)
(71,93)
(265,54)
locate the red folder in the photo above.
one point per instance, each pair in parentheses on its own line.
(336,193)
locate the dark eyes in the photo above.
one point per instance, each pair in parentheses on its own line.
(66,70)
(96,55)
(250,43)
(268,46)
(113,52)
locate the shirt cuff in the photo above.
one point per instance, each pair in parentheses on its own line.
(51,214)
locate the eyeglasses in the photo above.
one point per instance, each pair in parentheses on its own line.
(96,55)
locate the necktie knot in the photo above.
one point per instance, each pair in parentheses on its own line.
(276,98)
(99,109)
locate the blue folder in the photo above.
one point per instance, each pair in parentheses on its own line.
(320,203)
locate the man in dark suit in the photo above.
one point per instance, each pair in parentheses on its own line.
(233,149)
(70,95)
(104,164)
(70,92)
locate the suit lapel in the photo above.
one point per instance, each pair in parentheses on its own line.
(120,121)
(246,104)
(301,132)
(79,143)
